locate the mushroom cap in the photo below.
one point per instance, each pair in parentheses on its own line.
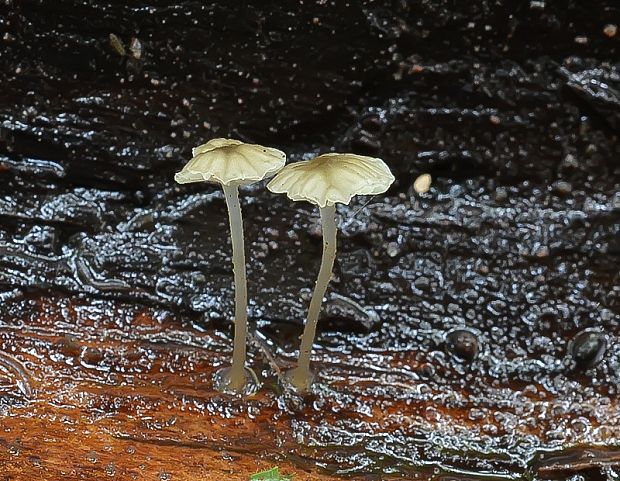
(331,178)
(230,161)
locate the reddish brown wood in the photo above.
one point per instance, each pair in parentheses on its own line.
(109,400)
(127,393)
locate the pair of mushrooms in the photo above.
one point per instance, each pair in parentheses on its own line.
(324,181)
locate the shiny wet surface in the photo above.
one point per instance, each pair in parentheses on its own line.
(469,332)
(142,379)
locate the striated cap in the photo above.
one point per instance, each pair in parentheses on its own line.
(331,178)
(230,161)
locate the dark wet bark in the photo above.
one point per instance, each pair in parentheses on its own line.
(107,267)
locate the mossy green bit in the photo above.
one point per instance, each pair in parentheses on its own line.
(272,474)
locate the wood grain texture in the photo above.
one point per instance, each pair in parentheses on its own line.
(129,404)
(128,393)
(469,332)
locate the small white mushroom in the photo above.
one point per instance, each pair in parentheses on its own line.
(232,163)
(325,181)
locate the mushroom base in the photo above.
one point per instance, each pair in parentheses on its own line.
(299,379)
(223,381)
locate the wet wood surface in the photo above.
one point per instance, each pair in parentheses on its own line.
(100,389)
(134,403)
(470,332)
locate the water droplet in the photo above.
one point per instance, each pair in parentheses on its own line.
(462,343)
(588,347)
(92,456)
(110,469)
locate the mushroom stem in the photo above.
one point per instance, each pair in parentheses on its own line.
(300,376)
(236,378)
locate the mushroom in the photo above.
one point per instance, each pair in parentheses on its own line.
(232,163)
(324,181)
